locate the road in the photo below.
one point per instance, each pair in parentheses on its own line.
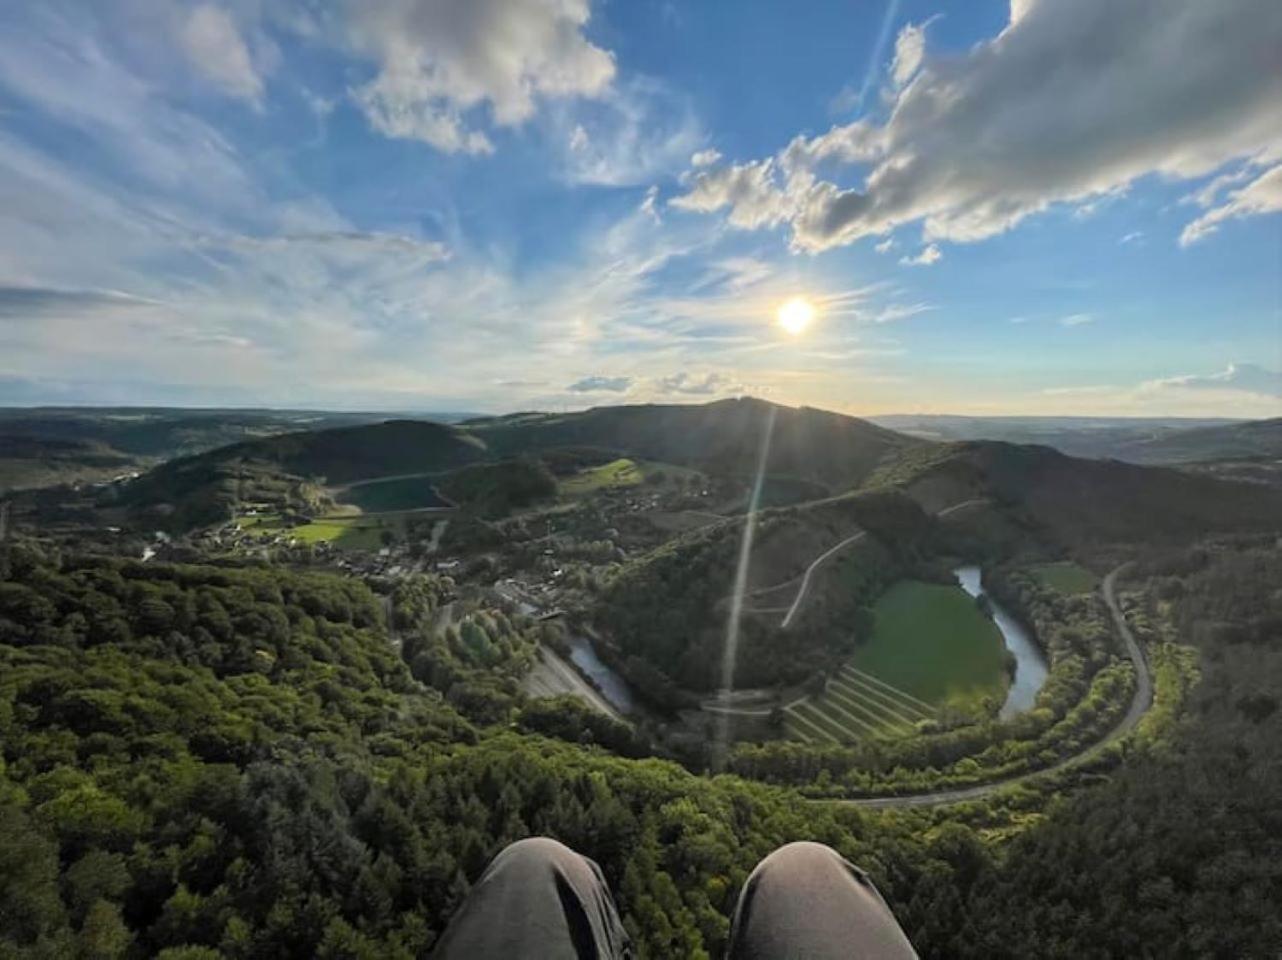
(823,557)
(1140,703)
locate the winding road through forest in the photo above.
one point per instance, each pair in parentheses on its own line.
(832,551)
(1140,703)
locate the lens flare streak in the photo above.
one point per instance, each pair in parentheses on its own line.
(730,652)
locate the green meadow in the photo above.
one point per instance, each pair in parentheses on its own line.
(932,642)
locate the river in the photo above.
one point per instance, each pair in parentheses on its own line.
(1030,663)
(612,686)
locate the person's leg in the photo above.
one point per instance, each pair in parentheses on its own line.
(804,902)
(537,898)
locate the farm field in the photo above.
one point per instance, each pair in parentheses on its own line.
(855,706)
(623,472)
(932,642)
(344,532)
(930,645)
(395,493)
(1066,577)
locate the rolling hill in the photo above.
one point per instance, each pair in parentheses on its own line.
(1077,501)
(1235,441)
(724,437)
(1143,440)
(823,452)
(151,433)
(34,461)
(287,470)
(1073,500)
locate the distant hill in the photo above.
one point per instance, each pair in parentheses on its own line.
(160,433)
(723,437)
(828,452)
(1080,500)
(1075,499)
(285,470)
(348,454)
(1251,440)
(31,461)
(1145,440)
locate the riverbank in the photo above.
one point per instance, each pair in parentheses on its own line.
(1031,667)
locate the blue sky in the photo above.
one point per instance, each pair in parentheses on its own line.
(1064,207)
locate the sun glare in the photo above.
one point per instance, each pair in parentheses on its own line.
(796,315)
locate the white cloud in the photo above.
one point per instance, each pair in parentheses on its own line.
(1076,320)
(213,44)
(1261,195)
(748,191)
(910,49)
(699,385)
(636,132)
(1043,113)
(31,303)
(439,63)
(900,311)
(886,245)
(705,158)
(1243,377)
(1240,390)
(929,254)
(1206,195)
(1135,236)
(600,384)
(650,204)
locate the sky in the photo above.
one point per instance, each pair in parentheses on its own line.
(1025,207)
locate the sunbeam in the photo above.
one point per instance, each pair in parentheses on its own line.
(730,652)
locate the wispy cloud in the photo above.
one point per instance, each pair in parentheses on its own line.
(33,303)
(600,384)
(1261,195)
(924,258)
(1245,377)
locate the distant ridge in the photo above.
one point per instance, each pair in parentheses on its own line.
(724,436)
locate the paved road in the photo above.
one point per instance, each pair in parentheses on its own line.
(1140,703)
(823,557)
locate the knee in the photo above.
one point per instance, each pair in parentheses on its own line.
(803,859)
(800,854)
(536,860)
(533,851)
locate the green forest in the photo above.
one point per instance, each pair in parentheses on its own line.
(202,762)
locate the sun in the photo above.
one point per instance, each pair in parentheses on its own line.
(795,315)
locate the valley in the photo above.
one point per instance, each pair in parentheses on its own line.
(965,634)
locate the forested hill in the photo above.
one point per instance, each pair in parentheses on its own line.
(202,763)
(826,452)
(362,452)
(206,488)
(1237,441)
(1080,501)
(724,437)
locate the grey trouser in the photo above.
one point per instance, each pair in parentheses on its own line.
(538,898)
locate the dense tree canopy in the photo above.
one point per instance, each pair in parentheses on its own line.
(205,762)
